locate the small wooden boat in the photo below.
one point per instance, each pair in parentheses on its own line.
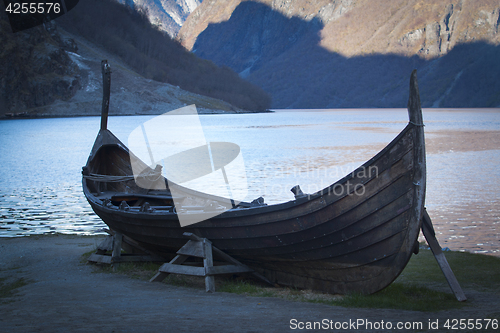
(337,240)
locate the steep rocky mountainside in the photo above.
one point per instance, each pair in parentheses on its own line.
(54,73)
(428,28)
(54,70)
(35,68)
(150,52)
(167,15)
(355,53)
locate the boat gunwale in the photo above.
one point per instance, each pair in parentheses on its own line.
(247,211)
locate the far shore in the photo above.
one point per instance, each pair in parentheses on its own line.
(42,115)
(481,109)
(26,115)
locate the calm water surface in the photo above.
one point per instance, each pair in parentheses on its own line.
(41,160)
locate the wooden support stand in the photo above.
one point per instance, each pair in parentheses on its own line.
(115,242)
(430,236)
(202,248)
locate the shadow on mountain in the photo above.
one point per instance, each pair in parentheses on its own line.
(253,36)
(283,56)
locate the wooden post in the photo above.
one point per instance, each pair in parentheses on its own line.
(106,245)
(106,91)
(115,243)
(208,262)
(117,249)
(430,236)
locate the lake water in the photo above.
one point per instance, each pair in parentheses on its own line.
(41,160)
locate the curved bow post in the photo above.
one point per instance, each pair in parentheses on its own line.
(106,90)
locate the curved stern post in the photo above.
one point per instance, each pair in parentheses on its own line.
(414,108)
(416,119)
(415,114)
(106,90)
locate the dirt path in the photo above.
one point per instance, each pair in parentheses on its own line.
(66,295)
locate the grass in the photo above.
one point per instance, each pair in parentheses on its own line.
(473,271)
(141,271)
(404,297)
(240,288)
(421,286)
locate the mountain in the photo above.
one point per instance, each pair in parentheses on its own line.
(167,15)
(35,68)
(54,70)
(354,53)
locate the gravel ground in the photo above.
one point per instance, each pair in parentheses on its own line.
(64,294)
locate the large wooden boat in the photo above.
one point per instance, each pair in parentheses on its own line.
(336,240)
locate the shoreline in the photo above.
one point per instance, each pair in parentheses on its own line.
(468,109)
(201,110)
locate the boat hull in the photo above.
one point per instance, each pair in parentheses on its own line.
(356,235)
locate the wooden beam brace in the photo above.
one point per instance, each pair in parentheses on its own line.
(430,236)
(161,275)
(233,261)
(99,258)
(182,269)
(202,248)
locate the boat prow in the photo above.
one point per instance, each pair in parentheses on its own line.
(337,240)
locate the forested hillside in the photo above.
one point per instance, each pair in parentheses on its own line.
(129,35)
(35,69)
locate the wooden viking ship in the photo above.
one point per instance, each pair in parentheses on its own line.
(337,240)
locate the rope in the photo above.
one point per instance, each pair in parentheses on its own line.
(107,178)
(117,179)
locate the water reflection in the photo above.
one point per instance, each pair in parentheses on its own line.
(30,211)
(462,199)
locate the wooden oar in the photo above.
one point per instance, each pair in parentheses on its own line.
(430,236)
